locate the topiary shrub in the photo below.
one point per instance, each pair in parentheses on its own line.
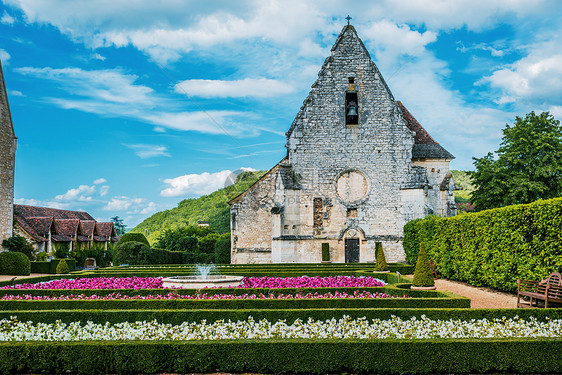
(222,251)
(422,273)
(20,245)
(381,264)
(128,237)
(14,263)
(325,252)
(128,252)
(62,267)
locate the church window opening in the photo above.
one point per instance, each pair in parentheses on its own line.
(352,213)
(351,103)
(318,215)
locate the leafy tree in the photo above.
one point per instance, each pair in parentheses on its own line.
(119,226)
(528,167)
(19,244)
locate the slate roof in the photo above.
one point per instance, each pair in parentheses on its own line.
(425,147)
(34,211)
(64,225)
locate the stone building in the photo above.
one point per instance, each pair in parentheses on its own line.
(46,228)
(358,167)
(8,144)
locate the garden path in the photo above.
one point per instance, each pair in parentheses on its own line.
(8,277)
(481,298)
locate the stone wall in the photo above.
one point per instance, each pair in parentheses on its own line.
(7,164)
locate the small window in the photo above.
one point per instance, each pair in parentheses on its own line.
(318,215)
(352,213)
(351,103)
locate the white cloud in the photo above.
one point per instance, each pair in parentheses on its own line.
(4,56)
(100,181)
(145,151)
(103,190)
(195,184)
(42,203)
(81,193)
(248,87)
(97,56)
(15,93)
(131,206)
(7,19)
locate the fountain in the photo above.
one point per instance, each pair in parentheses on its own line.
(207,277)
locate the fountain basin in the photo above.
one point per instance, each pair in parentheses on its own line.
(198,282)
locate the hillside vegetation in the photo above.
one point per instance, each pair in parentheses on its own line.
(213,208)
(462,180)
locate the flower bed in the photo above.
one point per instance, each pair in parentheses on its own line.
(248,282)
(204,296)
(345,328)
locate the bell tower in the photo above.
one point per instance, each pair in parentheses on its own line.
(8,144)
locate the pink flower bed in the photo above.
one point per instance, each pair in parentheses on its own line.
(204,296)
(247,282)
(311,282)
(96,283)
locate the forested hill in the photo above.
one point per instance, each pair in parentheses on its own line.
(213,208)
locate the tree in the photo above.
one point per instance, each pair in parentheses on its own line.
(119,226)
(528,167)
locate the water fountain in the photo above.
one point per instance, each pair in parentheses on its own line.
(206,277)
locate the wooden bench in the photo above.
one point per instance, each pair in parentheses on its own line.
(547,290)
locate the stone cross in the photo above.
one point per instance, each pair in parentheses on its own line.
(348,18)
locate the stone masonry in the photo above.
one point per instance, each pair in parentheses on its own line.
(358,167)
(8,143)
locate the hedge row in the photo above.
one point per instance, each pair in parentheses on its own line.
(285,356)
(392,290)
(493,247)
(177,317)
(51,266)
(178,304)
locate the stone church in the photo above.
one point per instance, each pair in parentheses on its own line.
(358,167)
(8,144)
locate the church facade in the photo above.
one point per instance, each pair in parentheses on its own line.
(8,144)
(358,167)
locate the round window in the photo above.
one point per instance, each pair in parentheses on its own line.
(351,186)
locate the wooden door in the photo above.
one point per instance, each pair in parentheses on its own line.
(352,250)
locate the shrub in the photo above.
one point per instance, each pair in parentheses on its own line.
(422,273)
(222,251)
(136,237)
(62,267)
(20,245)
(188,244)
(128,252)
(325,252)
(381,264)
(207,243)
(14,263)
(494,247)
(198,258)
(62,250)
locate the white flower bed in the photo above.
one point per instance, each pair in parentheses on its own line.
(424,328)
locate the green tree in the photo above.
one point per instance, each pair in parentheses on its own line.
(528,167)
(119,226)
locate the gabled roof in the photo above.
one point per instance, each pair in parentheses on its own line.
(29,229)
(106,229)
(4,106)
(41,225)
(34,211)
(425,147)
(67,227)
(88,227)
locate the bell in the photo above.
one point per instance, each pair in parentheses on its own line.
(352,110)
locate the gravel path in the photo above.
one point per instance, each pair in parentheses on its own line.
(481,298)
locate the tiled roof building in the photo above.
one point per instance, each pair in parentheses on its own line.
(44,227)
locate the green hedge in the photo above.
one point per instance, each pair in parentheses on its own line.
(285,356)
(14,263)
(51,266)
(137,237)
(493,247)
(178,304)
(175,317)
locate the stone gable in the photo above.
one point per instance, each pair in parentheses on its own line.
(350,178)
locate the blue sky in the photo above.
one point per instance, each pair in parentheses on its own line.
(127,107)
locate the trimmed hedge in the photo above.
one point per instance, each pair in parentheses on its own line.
(137,237)
(178,304)
(289,315)
(284,356)
(493,247)
(14,263)
(222,251)
(51,266)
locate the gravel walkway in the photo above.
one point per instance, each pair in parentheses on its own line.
(481,298)
(7,277)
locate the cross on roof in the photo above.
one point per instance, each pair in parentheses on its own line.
(348,18)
